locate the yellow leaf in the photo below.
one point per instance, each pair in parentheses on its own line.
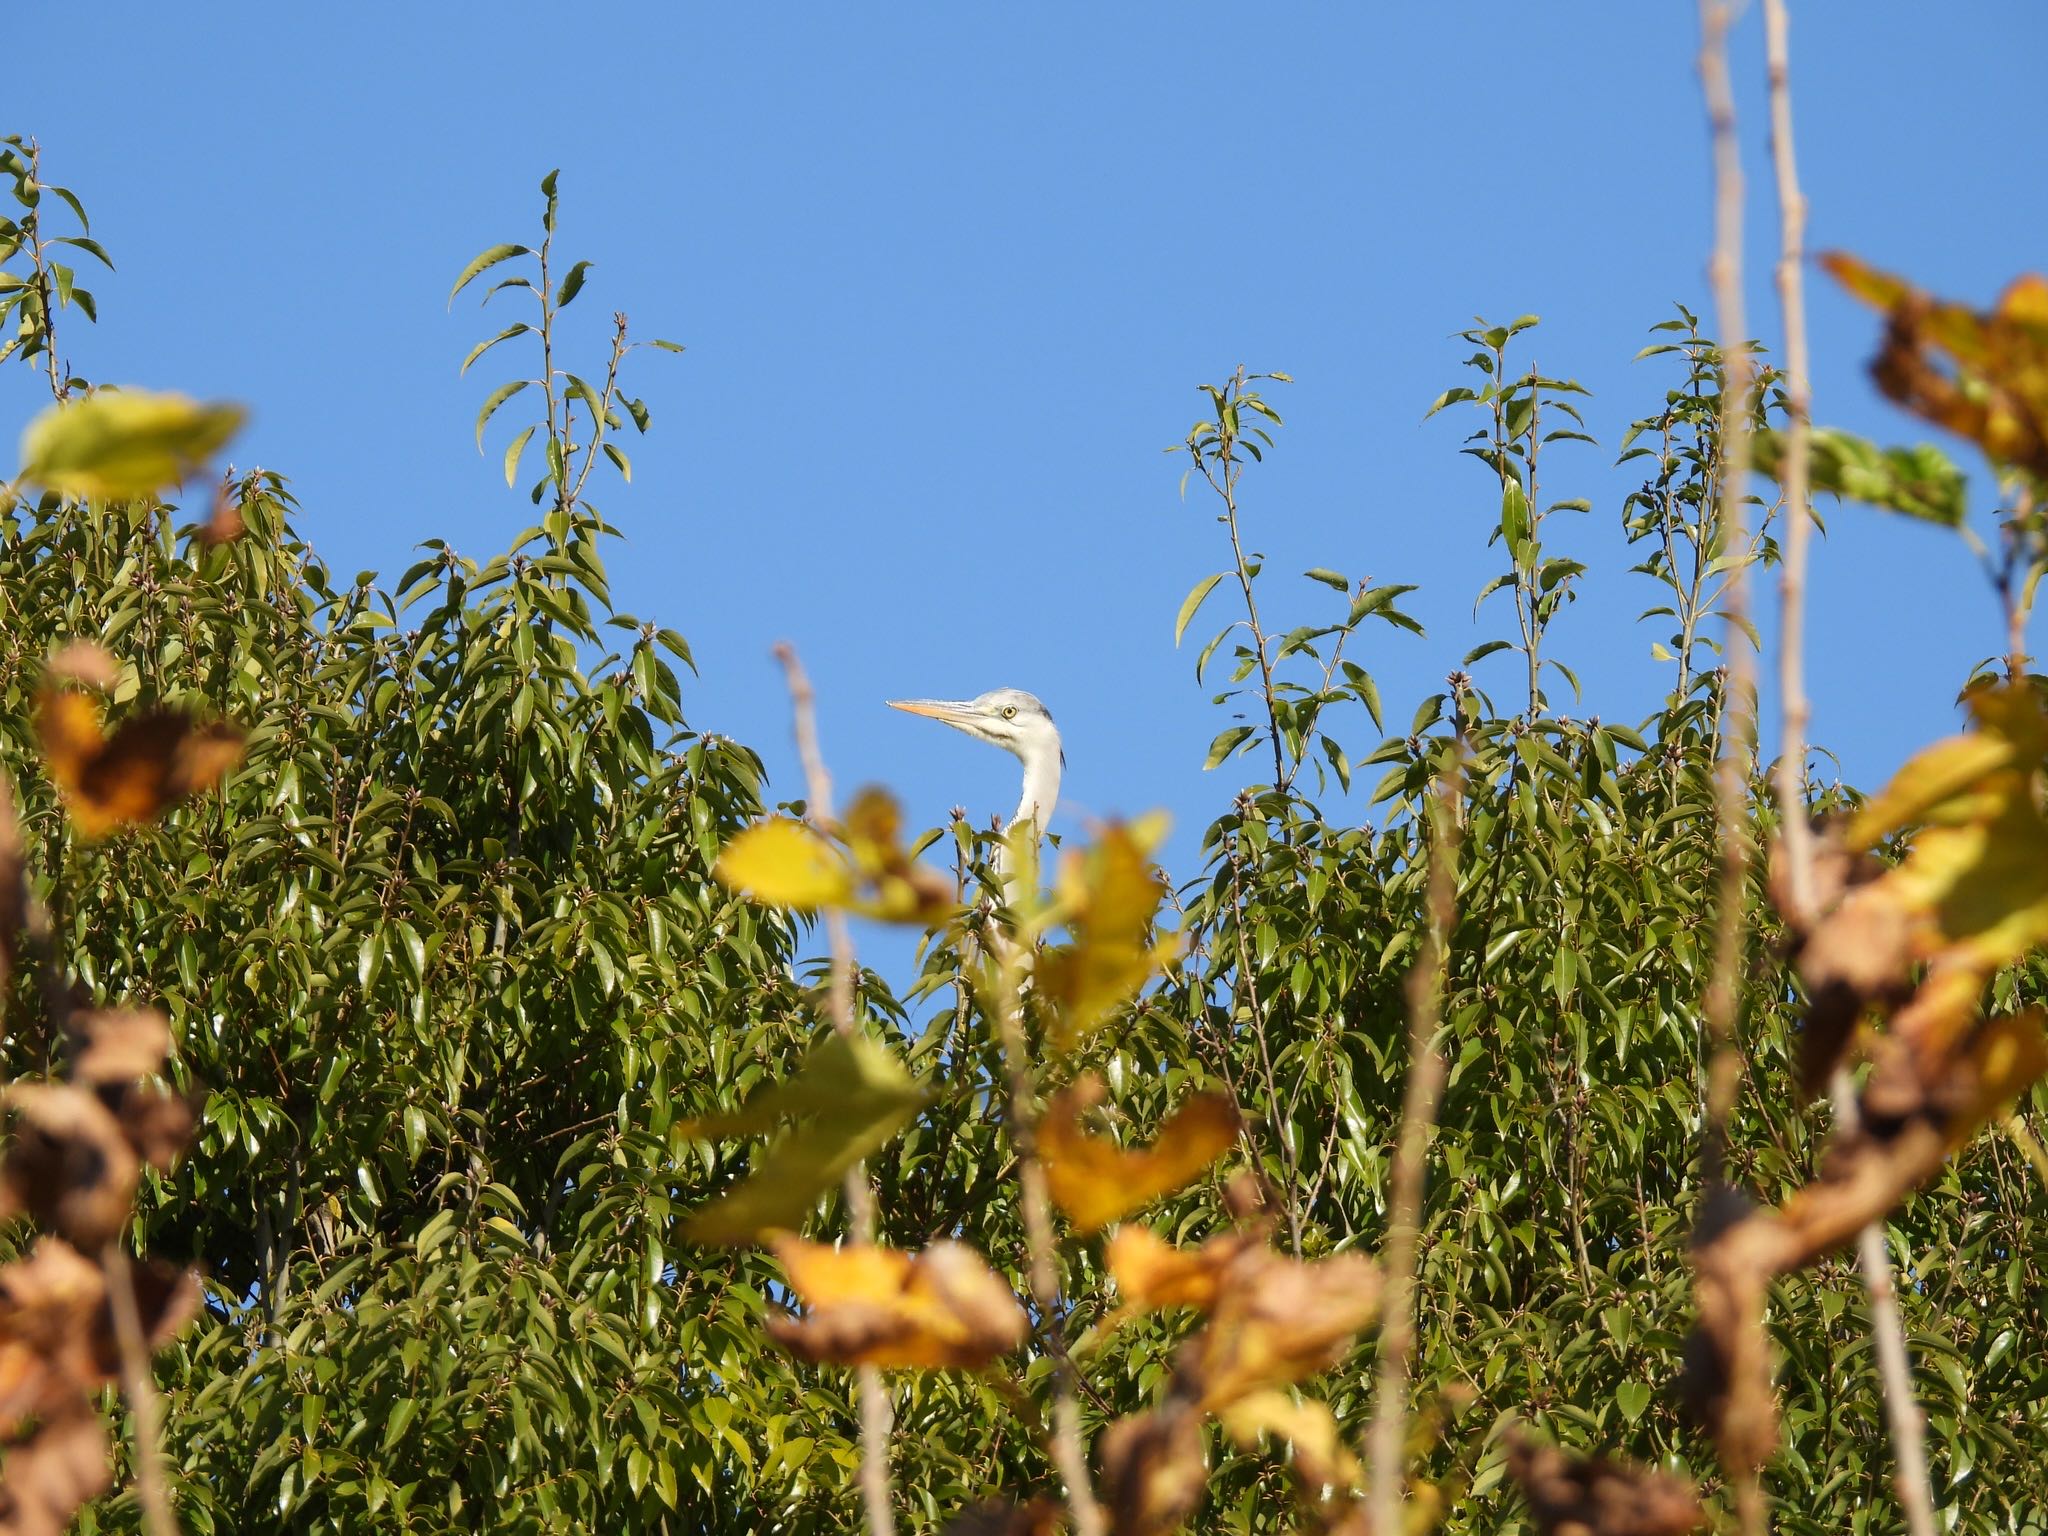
(120,444)
(940,1308)
(783,863)
(2007,1055)
(1320,1454)
(1150,1272)
(1095,1181)
(1108,896)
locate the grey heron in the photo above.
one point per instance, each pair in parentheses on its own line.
(1015,721)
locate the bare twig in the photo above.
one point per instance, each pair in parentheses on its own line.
(1888,1332)
(1426,1069)
(139,1388)
(1068,1453)
(1737,701)
(877,1416)
(1738,688)
(1903,1416)
(1797,834)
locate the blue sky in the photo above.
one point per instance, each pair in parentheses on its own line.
(948,277)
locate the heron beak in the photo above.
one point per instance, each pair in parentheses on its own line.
(960,714)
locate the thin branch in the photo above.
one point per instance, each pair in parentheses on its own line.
(1426,1069)
(1792,813)
(1903,1416)
(140,1390)
(1738,689)
(1888,1332)
(1737,694)
(877,1416)
(1068,1453)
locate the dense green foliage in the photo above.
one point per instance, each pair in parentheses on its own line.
(446,960)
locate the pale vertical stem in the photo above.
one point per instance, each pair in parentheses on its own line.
(877,1415)
(1737,702)
(1902,1412)
(1888,1333)
(1068,1453)
(140,1390)
(1738,709)
(1426,1067)
(1797,833)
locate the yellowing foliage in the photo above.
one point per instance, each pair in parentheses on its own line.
(1095,1181)
(940,1308)
(121,444)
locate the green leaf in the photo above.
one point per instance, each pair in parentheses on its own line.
(1192,604)
(484,263)
(1226,743)
(482,347)
(572,284)
(497,398)
(849,1098)
(512,453)
(1328,578)
(1920,481)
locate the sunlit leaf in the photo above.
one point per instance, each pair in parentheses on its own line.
(120,444)
(1095,1181)
(783,863)
(939,1308)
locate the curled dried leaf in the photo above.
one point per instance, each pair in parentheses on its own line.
(939,1308)
(1574,1495)
(82,661)
(70,1164)
(999,1517)
(1154,1469)
(152,761)
(47,1476)
(1095,1181)
(1276,1320)
(119,1045)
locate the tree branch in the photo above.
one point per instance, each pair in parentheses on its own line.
(1426,1068)
(877,1416)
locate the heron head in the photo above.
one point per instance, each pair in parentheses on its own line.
(1008,718)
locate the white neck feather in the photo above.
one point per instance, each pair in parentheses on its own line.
(1041,790)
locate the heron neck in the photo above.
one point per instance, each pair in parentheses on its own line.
(1041,790)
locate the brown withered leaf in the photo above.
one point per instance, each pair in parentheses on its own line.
(83,661)
(1095,1181)
(47,1476)
(1276,1320)
(1154,1469)
(1995,389)
(13,884)
(1150,1272)
(1598,1495)
(942,1307)
(152,761)
(119,1045)
(224,523)
(70,1165)
(1854,952)
(48,1357)
(999,1517)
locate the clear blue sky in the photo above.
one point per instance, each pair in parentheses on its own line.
(948,275)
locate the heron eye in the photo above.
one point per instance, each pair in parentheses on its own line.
(1009,711)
